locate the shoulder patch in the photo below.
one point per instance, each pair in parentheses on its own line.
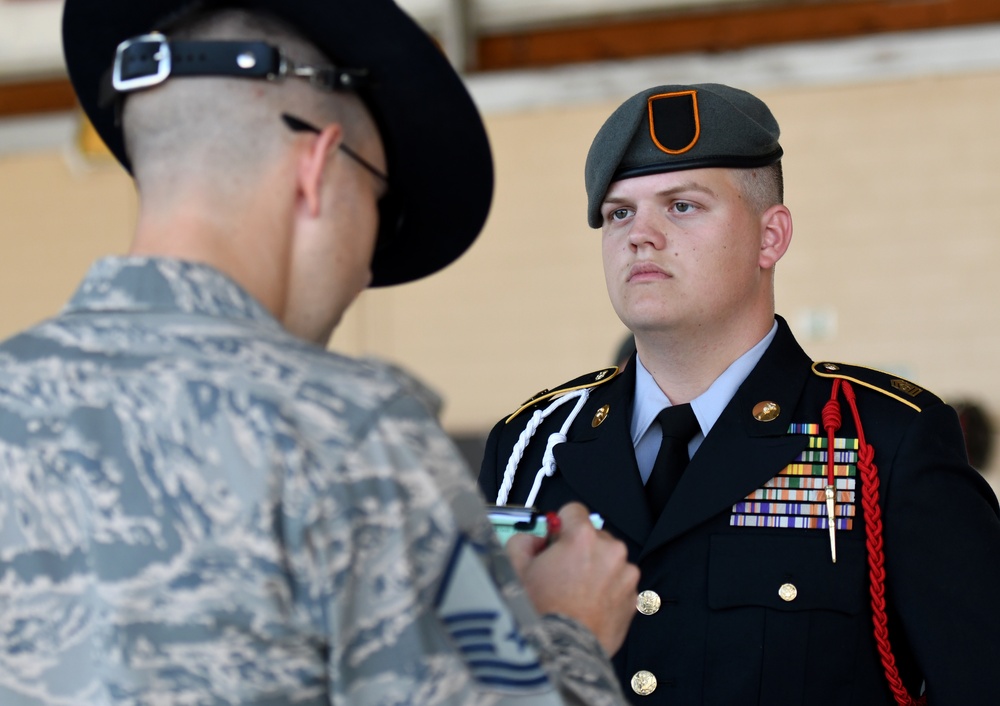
(910,394)
(598,377)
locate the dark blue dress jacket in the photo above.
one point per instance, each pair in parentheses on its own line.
(752,608)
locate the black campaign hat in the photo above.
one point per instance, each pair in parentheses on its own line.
(673,128)
(435,142)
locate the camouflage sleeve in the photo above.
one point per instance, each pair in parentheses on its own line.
(584,672)
(571,654)
(399,573)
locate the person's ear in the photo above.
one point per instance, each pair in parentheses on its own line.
(776,235)
(312,165)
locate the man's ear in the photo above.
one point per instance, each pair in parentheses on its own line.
(776,235)
(312,165)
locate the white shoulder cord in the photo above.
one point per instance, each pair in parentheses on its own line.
(548,460)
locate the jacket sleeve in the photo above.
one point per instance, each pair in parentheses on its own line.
(942,545)
(400,569)
(584,673)
(570,651)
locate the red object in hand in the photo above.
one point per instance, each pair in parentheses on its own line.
(552,526)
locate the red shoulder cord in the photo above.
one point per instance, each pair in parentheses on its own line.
(873,533)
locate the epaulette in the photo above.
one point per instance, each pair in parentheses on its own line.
(598,377)
(910,394)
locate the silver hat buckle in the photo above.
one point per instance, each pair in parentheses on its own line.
(163,64)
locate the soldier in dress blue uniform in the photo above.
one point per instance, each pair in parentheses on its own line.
(827,542)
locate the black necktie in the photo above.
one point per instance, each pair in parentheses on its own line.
(679,426)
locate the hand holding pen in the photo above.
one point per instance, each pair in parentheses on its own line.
(579,572)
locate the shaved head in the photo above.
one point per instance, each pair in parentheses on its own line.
(222,131)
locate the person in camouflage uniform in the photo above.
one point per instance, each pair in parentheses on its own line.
(199,504)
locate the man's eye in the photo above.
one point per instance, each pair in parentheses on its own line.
(683,207)
(619,214)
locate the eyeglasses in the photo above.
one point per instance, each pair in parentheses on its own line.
(390,216)
(300,125)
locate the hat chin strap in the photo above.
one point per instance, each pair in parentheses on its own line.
(150,59)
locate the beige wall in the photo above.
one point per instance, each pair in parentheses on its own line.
(56,215)
(895,190)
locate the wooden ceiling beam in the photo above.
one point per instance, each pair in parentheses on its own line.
(723,30)
(33,97)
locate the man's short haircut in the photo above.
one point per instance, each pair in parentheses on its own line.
(762,187)
(203,125)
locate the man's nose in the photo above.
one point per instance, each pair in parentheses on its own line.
(649,228)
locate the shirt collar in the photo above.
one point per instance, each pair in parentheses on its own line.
(708,406)
(143,284)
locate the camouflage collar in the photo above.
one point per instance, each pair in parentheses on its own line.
(141,284)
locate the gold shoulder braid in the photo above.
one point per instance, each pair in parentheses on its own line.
(890,385)
(598,377)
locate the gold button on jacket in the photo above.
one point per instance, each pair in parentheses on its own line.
(643,683)
(648,602)
(788,592)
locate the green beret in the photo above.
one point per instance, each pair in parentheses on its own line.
(671,128)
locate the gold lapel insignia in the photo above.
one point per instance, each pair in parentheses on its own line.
(599,416)
(766,411)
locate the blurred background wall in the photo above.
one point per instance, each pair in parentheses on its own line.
(892,167)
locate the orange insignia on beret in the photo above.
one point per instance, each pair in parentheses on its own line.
(674,122)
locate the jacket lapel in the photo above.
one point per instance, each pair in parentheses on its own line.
(741,453)
(599,462)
